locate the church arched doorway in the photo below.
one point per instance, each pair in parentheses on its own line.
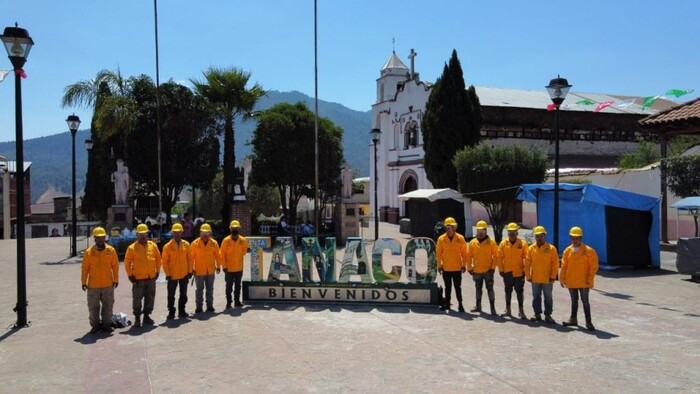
(408,183)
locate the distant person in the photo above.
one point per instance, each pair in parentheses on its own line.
(452,257)
(233,248)
(283,228)
(198,221)
(207,262)
(541,269)
(307,229)
(578,269)
(483,253)
(100,276)
(142,265)
(54,233)
(177,264)
(187,227)
(511,266)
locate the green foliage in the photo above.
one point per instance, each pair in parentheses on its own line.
(491,176)
(226,90)
(579,181)
(452,120)
(646,153)
(283,155)
(681,143)
(683,175)
(263,199)
(211,196)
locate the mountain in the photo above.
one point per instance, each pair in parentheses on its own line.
(51,155)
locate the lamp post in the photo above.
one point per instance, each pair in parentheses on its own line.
(73,124)
(557,89)
(18,44)
(88,147)
(376,134)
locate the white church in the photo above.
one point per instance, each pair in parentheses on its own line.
(510,116)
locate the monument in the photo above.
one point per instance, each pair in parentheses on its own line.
(240,207)
(348,214)
(120,214)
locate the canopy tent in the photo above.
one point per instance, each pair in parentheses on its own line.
(622,227)
(425,207)
(690,205)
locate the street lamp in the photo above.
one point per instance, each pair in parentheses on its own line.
(376,135)
(557,89)
(18,44)
(73,124)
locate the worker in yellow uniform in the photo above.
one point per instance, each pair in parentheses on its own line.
(541,269)
(511,266)
(142,266)
(206,259)
(452,257)
(233,249)
(177,264)
(579,266)
(483,253)
(100,276)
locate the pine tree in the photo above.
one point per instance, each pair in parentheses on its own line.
(451,122)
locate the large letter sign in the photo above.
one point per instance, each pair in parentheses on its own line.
(311,256)
(412,274)
(380,275)
(284,260)
(256,246)
(355,247)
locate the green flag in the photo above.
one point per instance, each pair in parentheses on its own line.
(649,101)
(586,102)
(678,92)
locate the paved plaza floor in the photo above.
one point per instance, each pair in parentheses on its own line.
(647,340)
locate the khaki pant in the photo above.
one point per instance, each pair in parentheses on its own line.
(105,297)
(144,289)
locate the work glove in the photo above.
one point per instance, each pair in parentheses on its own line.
(471,272)
(132,279)
(490,273)
(501,273)
(464,270)
(529,280)
(563,285)
(189,276)
(84,287)
(218,270)
(225,270)
(440,271)
(115,284)
(167,278)
(157,275)
(551,280)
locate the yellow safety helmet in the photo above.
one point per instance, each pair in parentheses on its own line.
(513,227)
(576,231)
(142,229)
(539,230)
(205,227)
(450,222)
(234,224)
(481,225)
(177,227)
(99,232)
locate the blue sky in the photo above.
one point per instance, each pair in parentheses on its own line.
(637,48)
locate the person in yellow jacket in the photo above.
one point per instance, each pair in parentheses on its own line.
(207,261)
(511,266)
(99,277)
(452,256)
(483,253)
(233,249)
(541,269)
(142,266)
(579,266)
(177,264)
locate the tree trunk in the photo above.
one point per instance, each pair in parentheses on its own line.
(228,167)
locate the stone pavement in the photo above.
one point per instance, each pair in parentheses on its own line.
(648,340)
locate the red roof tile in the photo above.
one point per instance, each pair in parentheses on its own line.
(689,111)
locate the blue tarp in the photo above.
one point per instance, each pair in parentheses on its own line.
(584,206)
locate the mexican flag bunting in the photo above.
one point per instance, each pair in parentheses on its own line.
(649,101)
(602,105)
(677,92)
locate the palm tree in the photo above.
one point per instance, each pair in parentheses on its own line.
(225,89)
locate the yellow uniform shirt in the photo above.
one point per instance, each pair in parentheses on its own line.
(100,267)
(482,255)
(578,268)
(206,256)
(232,253)
(511,257)
(542,263)
(452,253)
(177,259)
(142,262)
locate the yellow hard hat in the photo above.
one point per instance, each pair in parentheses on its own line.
(513,227)
(234,224)
(539,230)
(450,222)
(576,231)
(99,232)
(177,227)
(205,227)
(481,225)
(141,228)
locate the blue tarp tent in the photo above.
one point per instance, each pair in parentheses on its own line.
(623,227)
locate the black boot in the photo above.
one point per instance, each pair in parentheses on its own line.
(589,323)
(477,307)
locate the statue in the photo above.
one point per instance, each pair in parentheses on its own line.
(347,181)
(120,177)
(239,184)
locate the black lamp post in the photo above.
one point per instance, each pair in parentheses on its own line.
(18,44)
(557,89)
(73,124)
(376,135)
